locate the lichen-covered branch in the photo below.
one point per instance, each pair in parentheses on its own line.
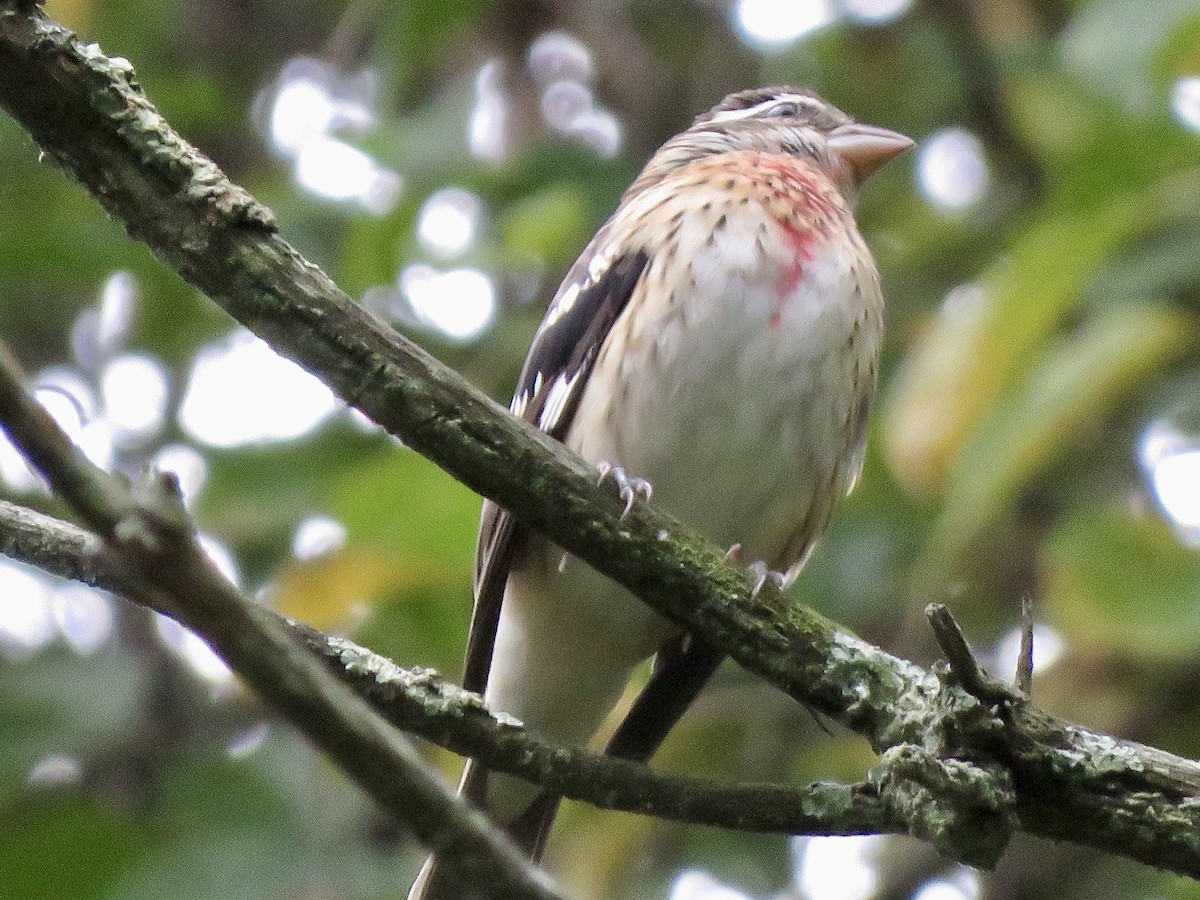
(421,702)
(153,556)
(88,114)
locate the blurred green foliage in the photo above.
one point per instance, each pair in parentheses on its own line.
(1007,456)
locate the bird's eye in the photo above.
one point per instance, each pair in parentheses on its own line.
(783,110)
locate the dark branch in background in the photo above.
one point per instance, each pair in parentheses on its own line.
(421,702)
(966,765)
(354,29)
(980,74)
(154,557)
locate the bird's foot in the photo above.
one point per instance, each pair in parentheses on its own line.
(762,575)
(630,488)
(759,569)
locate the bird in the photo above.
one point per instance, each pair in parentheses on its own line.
(714,350)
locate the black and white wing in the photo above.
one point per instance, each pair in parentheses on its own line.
(556,371)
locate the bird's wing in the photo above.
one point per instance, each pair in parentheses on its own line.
(553,380)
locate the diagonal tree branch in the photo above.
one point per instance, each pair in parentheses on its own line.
(967,764)
(155,558)
(421,702)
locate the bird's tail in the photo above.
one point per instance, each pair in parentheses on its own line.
(680,672)
(529,830)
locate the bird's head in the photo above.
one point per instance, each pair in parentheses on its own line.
(787,121)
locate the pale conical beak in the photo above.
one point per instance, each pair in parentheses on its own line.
(866,148)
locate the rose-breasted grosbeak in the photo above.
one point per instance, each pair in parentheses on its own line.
(718,337)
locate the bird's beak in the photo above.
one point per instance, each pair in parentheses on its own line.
(865,148)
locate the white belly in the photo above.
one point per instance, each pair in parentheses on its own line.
(746,412)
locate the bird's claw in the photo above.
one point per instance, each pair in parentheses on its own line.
(762,575)
(629,488)
(759,569)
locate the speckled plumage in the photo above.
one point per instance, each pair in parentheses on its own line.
(740,321)
(744,380)
(739,390)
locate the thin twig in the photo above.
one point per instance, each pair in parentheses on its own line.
(1024,676)
(963,664)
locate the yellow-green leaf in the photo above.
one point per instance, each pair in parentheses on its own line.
(1076,383)
(982,342)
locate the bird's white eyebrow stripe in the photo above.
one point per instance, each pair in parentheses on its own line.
(799,99)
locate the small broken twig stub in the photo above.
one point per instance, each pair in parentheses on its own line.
(1024,676)
(964,669)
